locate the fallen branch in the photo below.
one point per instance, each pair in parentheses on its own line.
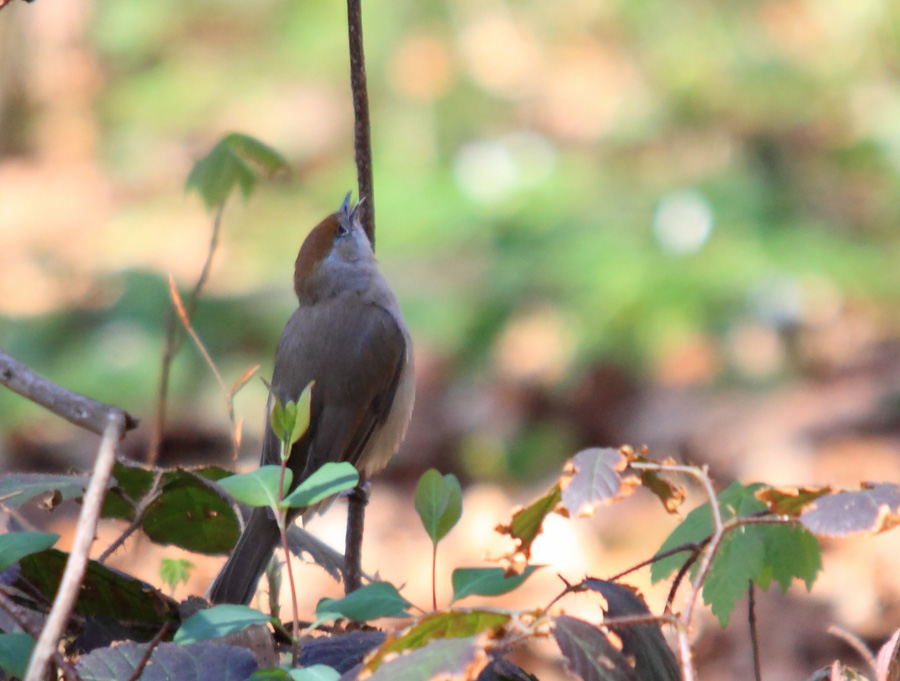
(74,407)
(73,575)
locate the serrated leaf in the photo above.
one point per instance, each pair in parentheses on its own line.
(791,552)
(589,653)
(189,514)
(15,650)
(16,545)
(452,658)
(645,643)
(872,509)
(379,599)
(220,620)
(740,559)
(258,487)
(596,478)
(168,662)
(438,501)
(340,651)
(790,500)
(486,581)
(439,625)
(751,552)
(175,571)
(669,493)
(330,479)
(698,526)
(527,523)
(104,592)
(17,488)
(236,160)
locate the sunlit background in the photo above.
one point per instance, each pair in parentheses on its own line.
(657,222)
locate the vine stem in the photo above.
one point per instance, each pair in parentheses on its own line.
(282,529)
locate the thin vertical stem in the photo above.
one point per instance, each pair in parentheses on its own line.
(754,641)
(361,129)
(434,576)
(173,342)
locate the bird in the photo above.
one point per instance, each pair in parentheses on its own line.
(347,336)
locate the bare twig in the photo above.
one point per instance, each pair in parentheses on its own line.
(140,510)
(685,568)
(173,342)
(857,644)
(751,621)
(356,519)
(693,547)
(74,407)
(150,648)
(362,142)
(78,557)
(20,617)
(228,394)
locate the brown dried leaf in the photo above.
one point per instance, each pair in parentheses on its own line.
(670,494)
(790,500)
(527,524)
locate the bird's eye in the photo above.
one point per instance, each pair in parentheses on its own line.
(342,231)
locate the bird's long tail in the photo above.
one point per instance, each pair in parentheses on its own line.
(236,582)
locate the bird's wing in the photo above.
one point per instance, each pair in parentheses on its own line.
(356,367)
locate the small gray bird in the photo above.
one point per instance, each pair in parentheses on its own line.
(349,336)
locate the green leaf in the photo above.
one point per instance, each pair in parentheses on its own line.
(316,672)
(15,650)
(452,624)
(290,421)
(379,599)
(16,545)
(528,522)
(17,488)
(217,621)
(486,581)
(259,487)
(282,418)
(175,571)
(698,525)
(135,605)
(301,413)
(758,553)
(438,501)
(330,479)
(740,558)
(452,658)
(792,551)
(167,662)
(191,515)
(236,160)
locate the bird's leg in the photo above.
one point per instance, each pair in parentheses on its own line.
(356,517)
